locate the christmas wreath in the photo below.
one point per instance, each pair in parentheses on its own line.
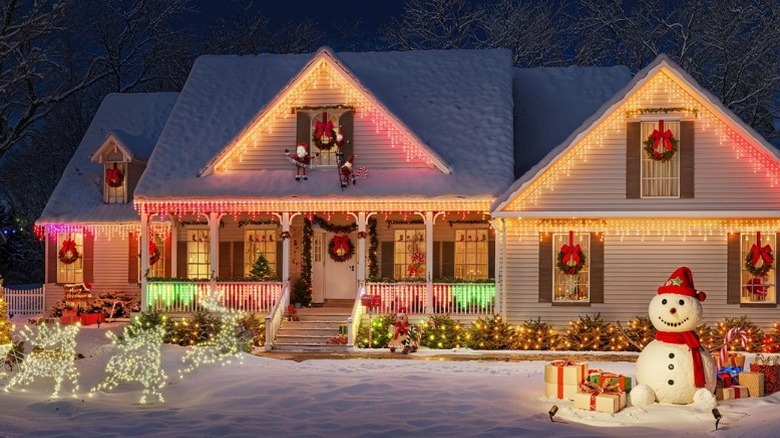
(570,258)
(661,145)
(325,136)
(759,253)
(340,248)
(154,253)
(114,177)
(68,252)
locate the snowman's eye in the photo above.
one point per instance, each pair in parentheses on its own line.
(682,302)
(663,301)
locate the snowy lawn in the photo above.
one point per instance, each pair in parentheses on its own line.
(359,397)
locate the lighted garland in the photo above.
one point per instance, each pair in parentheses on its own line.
(336,229)
(308,235)
(68,253)
(662,140)
(373,248)
(340,248)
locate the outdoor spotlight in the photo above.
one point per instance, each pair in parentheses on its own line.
(715,413)
(554,410)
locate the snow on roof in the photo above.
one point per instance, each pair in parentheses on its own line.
(459,103)
(78,197)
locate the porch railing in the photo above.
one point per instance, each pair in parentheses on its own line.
(353,322)
(24,301)
(182,297)
(452,298)
(274,319)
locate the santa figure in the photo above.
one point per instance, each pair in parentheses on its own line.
(675,368)
(347,172)
(300,159)
(404,334)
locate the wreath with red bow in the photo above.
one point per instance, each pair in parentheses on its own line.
(114,177)
(68,252)
(759,253)
(154,253)
(340,248)
(325,136)
(570,258)
(661,145)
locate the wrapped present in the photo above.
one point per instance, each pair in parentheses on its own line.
(754,382)
(768,366)
(725,380)
(562,378)
(609,398)
(602,378)
(726,358)
(735,360)
(734,392)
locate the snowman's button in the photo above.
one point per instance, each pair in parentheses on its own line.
(671,382)
(671,366)
(671,355)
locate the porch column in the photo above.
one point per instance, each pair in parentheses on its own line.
(214,248)
(174,255)
(499,238)
(144,242)
(429,262)
(361,273)
(286,247)
(503,265)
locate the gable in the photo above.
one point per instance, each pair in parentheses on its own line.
(380,140)
(112,149)
(734,166)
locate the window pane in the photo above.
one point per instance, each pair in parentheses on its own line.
(660,178)
(198,261)
(757,288)
(409,255)
(71,272)
(469,264)
(571,288)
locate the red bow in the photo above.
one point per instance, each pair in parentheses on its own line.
(68,245)
(758,252)
(324,127)
(341,242)
(152,247)
(114,176)
(659,135)
(401,328)
(571,251)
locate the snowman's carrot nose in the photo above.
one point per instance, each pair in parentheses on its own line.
(672,310)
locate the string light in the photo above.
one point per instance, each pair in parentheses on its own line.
(138,359)
(53,356)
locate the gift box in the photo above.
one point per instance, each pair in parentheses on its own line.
(600,400)
(754,382)
(736,360)
(725,380)
(734,392)
(603,378)
(562,378)
(769,367)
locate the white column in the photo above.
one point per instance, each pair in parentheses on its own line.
(361,267)
(174,255)
(503,266)
(429,261)
(497,232)
(144,243)
(286,247)
(214,247)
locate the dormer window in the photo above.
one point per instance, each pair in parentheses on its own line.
(120,170)
(115,183)
(326,130)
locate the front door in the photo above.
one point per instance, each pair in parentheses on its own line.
(340,280)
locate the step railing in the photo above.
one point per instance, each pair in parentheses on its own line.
(183,296)
(450,298)
(274,319)
(355,318)
(25,301)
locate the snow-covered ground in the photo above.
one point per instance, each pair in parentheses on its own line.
(360,397)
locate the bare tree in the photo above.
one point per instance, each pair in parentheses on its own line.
(301,37)
(436,24)
(247,33)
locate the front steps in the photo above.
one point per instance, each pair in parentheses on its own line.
(314,327)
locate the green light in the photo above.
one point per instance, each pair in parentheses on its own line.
(481,294)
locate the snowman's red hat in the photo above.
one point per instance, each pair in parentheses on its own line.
(681,283)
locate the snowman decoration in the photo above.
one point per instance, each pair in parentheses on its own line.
(675,368)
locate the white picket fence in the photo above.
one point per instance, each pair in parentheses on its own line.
(24,301)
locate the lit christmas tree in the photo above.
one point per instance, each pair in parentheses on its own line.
(261,270)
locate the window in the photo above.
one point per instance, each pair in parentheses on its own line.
(571,288)
(471,254)
(115,182)
(198,260)
(158,268)
(260,241)
(317,249)
(409,253)
(660,179)
(330,121)
(757,289)
(71,272)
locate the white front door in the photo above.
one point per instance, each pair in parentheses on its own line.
(340,277)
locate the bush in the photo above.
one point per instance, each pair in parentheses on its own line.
(382,332)
(300,293)
(639,332)
(589,333)
(192,331)
(443,332)
(534,335)
(754,334)
(491,333)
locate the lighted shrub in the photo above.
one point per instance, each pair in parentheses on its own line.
(588,333)
(443,332)
(534,335)
(382,332)
(491,333)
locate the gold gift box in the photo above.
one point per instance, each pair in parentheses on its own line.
(732,392)
(611,402)
(753,381)
(563,378)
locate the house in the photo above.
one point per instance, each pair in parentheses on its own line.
(438,181)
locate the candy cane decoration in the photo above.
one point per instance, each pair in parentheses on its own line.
(730,335)
(362,170)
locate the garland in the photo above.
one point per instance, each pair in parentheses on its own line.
(336,229)
(413,221)
(759,253)
(326,107)
(373,248)
(68,253)
(475,221)
(570,252)
(154,253)
(665,110)
(661,144)
(242,224)
(341,248)
(186,223)
(114,177)
(308,236)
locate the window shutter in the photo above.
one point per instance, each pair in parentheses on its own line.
(687,159)
(167,250)
(181,260)
(88,258)
(346,121)
(448,259)
(238,259)
(491,258)
(545,269)
(734,269)
(435,258)
(633,160)
(133,258)
(53,258)
(386,255)
(303,130)
(596,268)
(279,258)
(225,263)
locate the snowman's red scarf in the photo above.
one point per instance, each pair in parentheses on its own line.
(692,341)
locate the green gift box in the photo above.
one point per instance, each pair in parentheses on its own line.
(602,378)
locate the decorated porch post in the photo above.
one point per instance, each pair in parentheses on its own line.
(429,262)
(498,231)
(174,256)
(144,242)
(361,274)
(214,248)
(285,246)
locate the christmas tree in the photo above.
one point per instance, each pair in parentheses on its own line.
(261,270)
(5,324)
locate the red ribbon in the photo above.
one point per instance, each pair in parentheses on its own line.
(561,364)
(401,328)
(658,135)
(113,177)
(324,127)
(571,251)
(758,252)
(340,242)
(596,390)
(692,341)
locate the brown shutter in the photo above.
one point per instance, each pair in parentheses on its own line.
(687,159)
(88,259)
(435,258)
(386,255)
(133,258)
(181,259)
(279,258)
(238,259)
(491,258)
(346,121)
(545,268)
(225,263)
(303,129)
(596,268)
(167,254)
(52,259)
(633,160)
(448,259)
(734,269)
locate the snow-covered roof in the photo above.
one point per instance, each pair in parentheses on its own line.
(458,103)
(78,197)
